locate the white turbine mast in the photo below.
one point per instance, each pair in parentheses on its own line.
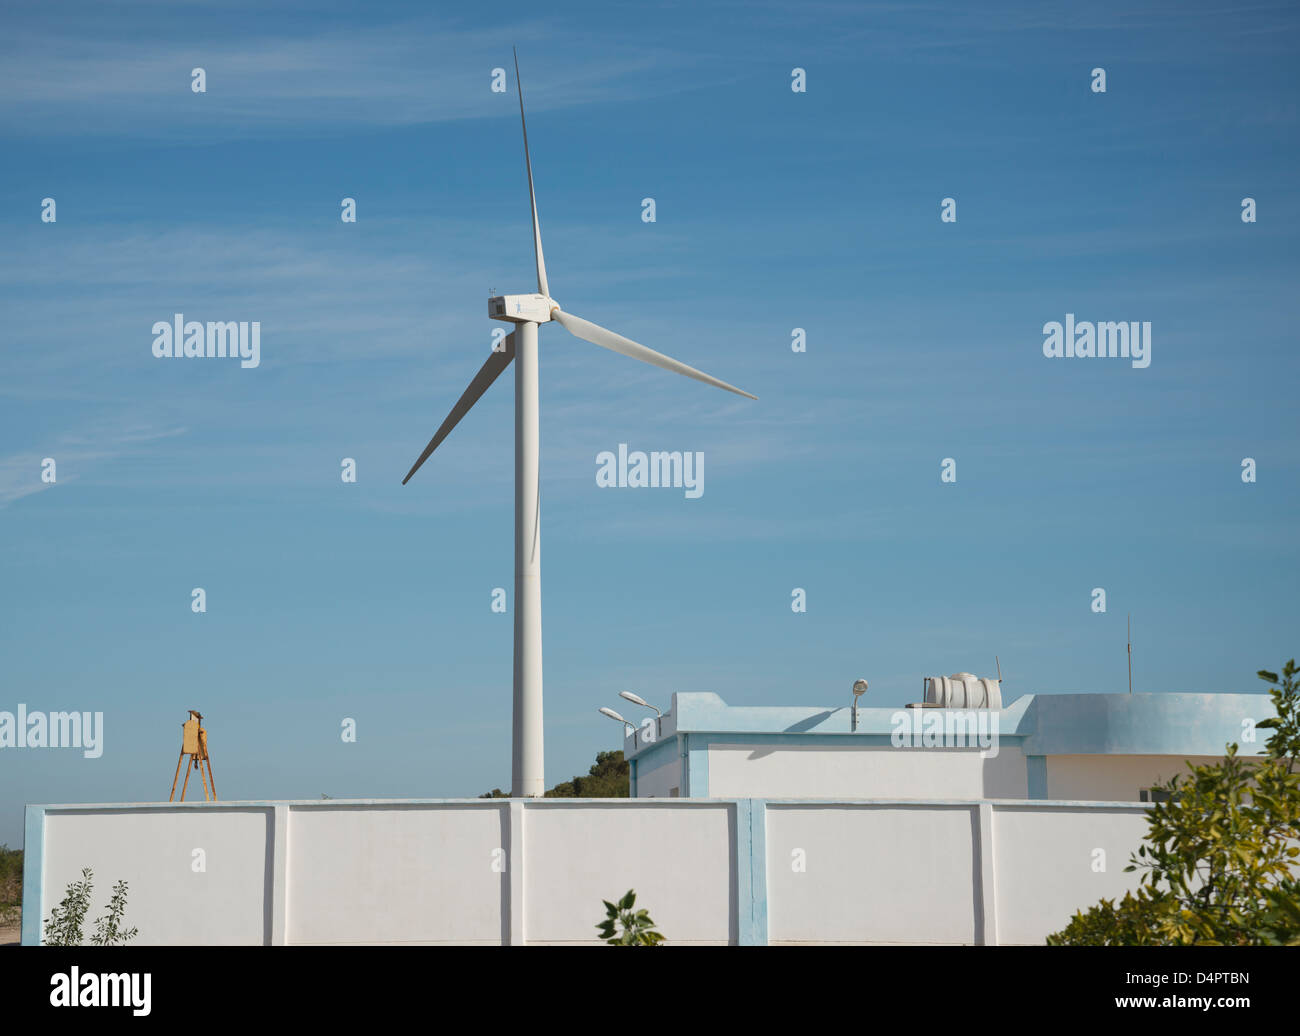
(526,312)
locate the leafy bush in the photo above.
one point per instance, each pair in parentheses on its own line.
(1220,853)
(108,929)
(64,925)
(11,885)
(638,929)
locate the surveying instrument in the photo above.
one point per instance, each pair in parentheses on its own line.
(194,743)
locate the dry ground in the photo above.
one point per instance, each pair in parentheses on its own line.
(11,925)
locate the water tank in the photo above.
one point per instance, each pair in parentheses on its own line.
(963,691)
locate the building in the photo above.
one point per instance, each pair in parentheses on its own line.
(1096,747)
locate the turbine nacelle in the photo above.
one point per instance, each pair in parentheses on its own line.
(519,309)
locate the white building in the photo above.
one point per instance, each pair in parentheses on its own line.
(1098,747)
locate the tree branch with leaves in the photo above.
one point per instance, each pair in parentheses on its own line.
(1221,855)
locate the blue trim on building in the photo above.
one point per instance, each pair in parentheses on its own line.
(697,767)
(751,872)
(1143,724)
(743,846)
(651,756)
(33,874)
(706,712)
(1175,724)
(659,755)
(758,740)
(758,870)
(243,806)
(1036,776)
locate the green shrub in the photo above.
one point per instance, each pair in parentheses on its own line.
(637,928)
(11,885)
(1220,853)
(64,925)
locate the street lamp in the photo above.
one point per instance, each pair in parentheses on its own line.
(614,715)
(859,689)
(636,699)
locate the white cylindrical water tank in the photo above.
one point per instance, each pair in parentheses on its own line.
(963,691)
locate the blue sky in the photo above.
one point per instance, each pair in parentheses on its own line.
(775,210)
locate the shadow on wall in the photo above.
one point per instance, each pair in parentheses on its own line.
(268,880)
(810,723)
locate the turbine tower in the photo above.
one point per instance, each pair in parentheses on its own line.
(526,312)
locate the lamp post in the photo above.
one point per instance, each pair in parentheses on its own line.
(614,715)
(859,689)
(636,699)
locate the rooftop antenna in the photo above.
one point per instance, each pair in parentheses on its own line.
(999,665)
(527,312)
(1130,653)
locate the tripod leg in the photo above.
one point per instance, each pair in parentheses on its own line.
(198,765)
(186,783)
(211,780)
(177,777)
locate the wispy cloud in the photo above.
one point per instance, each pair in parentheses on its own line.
(20,473)
(134,76)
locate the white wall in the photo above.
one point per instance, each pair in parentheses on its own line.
(495,871)
(227,903)
(857,771)
(1050,862)
(888,874)
(678,860)
(659,782)
(1113,778)
(405,875)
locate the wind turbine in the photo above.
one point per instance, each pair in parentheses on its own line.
(526,312)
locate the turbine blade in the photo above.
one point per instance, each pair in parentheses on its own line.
(532,198)
(598,335)
(487,374)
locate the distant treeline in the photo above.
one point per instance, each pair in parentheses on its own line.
(11,881)
(607,779)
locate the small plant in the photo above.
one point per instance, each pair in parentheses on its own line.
(638,929)
(108,929)
(64,925)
